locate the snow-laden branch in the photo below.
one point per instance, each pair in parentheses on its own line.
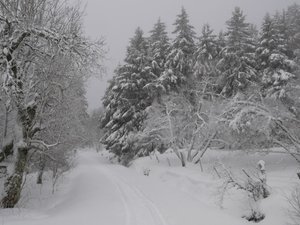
(45,145)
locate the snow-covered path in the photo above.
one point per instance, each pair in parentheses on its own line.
(99,193)
(139,210)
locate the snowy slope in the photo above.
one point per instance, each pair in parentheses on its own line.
(97,192)
(207,188)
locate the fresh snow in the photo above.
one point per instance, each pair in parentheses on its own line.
(99,192)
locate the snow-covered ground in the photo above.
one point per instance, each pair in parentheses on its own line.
(98,192)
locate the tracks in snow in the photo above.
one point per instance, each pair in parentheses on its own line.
(139,209)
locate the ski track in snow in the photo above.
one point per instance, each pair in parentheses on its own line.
(135,207)
(139,209)
(101,193)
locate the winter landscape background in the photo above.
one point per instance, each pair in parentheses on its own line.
(195,120)
(116,21)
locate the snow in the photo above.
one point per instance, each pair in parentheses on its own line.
(282,75)
(5,51)
(261,164)
(99,192)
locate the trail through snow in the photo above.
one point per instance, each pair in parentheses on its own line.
(96,195)
(99,193)
(139,210)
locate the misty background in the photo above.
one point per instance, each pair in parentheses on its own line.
(116,20)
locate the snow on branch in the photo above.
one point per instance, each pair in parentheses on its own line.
(43,144)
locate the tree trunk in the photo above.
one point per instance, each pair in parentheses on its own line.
(13,185)
(180,156)
(7,150)
(7,147)
(5,123)
(42,165)
(207,145)
(182,159)
(189,156)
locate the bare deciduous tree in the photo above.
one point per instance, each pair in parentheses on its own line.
(34,34)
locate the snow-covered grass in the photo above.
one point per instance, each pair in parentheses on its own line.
(99,192)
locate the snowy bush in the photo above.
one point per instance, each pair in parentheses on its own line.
(146,171)
(255,186)
(257,122)
(255,216)
(294,210)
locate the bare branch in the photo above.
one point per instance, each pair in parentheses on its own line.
(286,148)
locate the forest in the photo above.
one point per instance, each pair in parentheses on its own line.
(177,103)
(237,89)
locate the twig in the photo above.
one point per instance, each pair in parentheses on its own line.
(215,169)
(282,145)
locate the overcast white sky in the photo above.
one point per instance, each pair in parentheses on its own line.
(116,21)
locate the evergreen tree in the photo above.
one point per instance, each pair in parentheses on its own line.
(237,64)
(293,20)
(221,40)
(180,60)
(274,64)
(127,98)
(282,33)
(159,47)
(267,42)
(206,57)
(206,53)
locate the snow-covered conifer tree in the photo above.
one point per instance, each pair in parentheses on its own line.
(179,65)
(127,98)
(274,64)
(206,52)
(159,47)
(237,64)
(293,21)
(206,58)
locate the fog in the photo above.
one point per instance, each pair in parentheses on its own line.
(116,20)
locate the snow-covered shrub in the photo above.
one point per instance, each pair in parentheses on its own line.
(248,123)
(294,210)
(255,216)
(257,122)
(146,171)
(177,124)
(255,186)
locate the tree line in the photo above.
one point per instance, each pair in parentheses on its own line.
(234,89)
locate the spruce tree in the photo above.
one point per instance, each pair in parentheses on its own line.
(180,60)
(221,40)
(293,20)
(237,64)
(275,66)
(206,53)
(159,48)
(267,42)
(126,99)
(206,57)
(282,33)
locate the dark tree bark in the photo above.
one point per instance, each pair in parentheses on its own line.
(13,185)
(7,150)
(42,164)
